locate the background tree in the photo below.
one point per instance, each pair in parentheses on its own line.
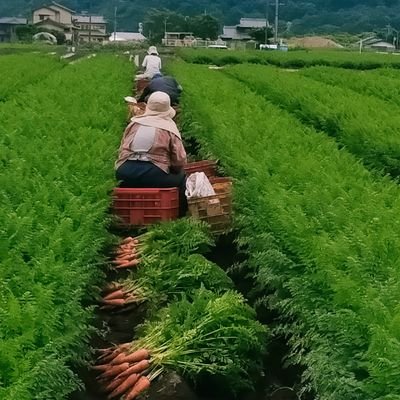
(205,27)
(26,32)
(307,16)
(259,35)
(156,21)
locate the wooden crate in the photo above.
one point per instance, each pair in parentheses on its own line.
(215,210)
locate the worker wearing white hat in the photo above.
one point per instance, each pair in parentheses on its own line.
(151,64)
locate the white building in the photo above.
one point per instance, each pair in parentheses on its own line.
(129,37)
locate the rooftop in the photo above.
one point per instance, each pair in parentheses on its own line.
(126,36)
(252,23)
(53,3)
(13,21)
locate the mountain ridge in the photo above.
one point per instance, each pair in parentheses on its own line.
(307,16)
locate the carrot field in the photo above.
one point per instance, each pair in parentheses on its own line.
(315,154)
(59,128)
(312,142)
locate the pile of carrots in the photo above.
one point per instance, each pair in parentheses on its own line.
(122,372)
(116,295)
(127,254)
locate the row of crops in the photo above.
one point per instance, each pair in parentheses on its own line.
(321,230)
(57,151)
(366,126)
(30,69)
(292,59)
(57,140)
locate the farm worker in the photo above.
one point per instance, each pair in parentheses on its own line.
(152,154)
(166,84)
(151,64)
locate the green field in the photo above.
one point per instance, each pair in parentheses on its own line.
(315,158)
(317,216)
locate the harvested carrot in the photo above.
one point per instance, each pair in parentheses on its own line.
(113,385)
(125,386)
(129,264)
(134,357)
(119,360)
(115,353)
(114,302)
(114,371)
(135,369)
(111,287)
(106,358)
(126,257)
(141,385)
(118,294)
(128,240)
(102,368)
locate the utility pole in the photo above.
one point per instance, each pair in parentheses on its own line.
(276,20)
(115,23)
(266,21)
(90,21)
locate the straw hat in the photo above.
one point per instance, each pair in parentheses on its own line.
(152,50)
(160,103)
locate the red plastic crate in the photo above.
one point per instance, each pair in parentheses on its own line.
(139,207)
(209,167)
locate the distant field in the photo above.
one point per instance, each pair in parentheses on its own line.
(292,59)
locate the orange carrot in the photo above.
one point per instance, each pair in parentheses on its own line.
(118,294)
(127,240)
(102,368)
(115,302)
(134,357)
(114,371)
(126,257)
(111,287)
(125,386)
(141,385)
(113,385)
(135,369)
(109,357)
(129,264)
(119,360)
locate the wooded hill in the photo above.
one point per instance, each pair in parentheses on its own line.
(318,16)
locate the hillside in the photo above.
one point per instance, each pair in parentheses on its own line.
(316,16)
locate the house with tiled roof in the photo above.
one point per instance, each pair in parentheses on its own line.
(241,33)
(75,27)
(8,28)
(55,17)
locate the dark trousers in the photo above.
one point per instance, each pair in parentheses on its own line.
(142,174)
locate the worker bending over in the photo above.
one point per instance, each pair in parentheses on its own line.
(166,84)
(152,154)
(151,64)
